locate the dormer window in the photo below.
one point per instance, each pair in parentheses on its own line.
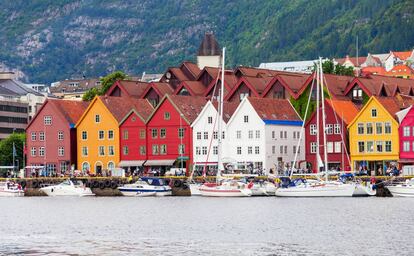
(357,93)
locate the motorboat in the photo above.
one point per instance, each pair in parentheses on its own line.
(226,189)
(68,187)
(301,188)
(362,189)
(10,189)
(263,188)
(195,189)
(405,189)
(146,186)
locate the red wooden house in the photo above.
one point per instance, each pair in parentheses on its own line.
(133,139)
(51,136)
(169,134)
(339,113)
(125,88)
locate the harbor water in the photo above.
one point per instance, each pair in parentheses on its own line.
(206,226)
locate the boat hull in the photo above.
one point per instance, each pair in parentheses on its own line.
(144,192)
(195,189)
(213,192)
(326,190)
(361,190)
(401,191)
(11,193)
(67,191)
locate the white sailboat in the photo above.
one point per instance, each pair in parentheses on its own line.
(402,189)
(323,188)
(221,188)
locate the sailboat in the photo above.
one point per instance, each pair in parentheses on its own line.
(321,188)
(224,188)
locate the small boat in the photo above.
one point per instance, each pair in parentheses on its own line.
(195,189)
(300,188)
(364,190)
(226,189)
(10,189)
(68,188)
(265,188)
(146,186)
(402,189)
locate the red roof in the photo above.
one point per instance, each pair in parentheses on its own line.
(160,88)
(390,104)
(259,72)
(213,72)
(121,106)
(345,109)
(195,88)
(190,107)
(229,108)
(258,83)
(179,74)
(72,110)
(373,70)
(133,88)
(274,109)
(337,84)
(400,70)
(192,68)
(402,55)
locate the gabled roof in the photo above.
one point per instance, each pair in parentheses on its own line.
(228,109)
(192,68)
(209,46)
(400,70)
(373,70)
(211,71)
(345,109)
(159,87)
(130,88)
(256,85)
(142,108)
(230,81)
(195,88)
(353,60)
(402,55)
(17,87)
(71,110)
(372,84)
(274,109)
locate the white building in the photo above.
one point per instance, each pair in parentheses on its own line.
(205,135)
(305,66)
(264,133)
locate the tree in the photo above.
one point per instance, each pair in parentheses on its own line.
(329,67)
(106,82)
(6,150)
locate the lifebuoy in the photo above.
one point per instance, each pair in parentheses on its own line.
(35,184)
(102,185)
(23,184)
(114,184)
(184,186)
(177,183)
(95,184)
(107,183)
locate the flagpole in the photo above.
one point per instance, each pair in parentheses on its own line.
(14,161)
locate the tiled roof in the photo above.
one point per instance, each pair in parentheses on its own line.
(160,87)
(337,84)
(230,78)
(192,67)
(75,85)
(228,109)
(143,107)
(402,55)
(258,83)
(374,82)
(118,106)
(401,70)
(196,87)
(179,74)
(274,109)
(390,104)
(344,109)
(133,88)
(373,70)
(353,60)
(190,107)
(258,72)
(72,110)
(213,72)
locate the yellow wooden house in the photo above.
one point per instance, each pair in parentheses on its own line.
(373,136)
(98,134)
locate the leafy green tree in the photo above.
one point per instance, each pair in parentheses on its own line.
(106,83)
(6,150)
(329,67)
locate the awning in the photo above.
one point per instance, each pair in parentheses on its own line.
(127,163)
(163,162)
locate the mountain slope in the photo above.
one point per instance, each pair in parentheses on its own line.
(51,40)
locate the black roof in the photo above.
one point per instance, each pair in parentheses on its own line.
(209,46)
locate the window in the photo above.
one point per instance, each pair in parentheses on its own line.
(370,146)
(387,128)
(239,150)
(125,134)
(360,128)
(373,112)
(313,129)
(406,131)
(406,146)
(142,150)
(41,151)
(142,133)
(101,135)
(111,166)
(163,149)
(329,146)
(181,132)
(101,150)
(273,135)
(41,136)
(379,146)
(125,150)
(61,151)
(294,149)
(181,149)
(215,135)
(110,134)
(60,135)
(215,150)
(378,128)
(154,133)
(388,147)
(47,120)
(97,118)
(198,135)
(329,129)
(33,136)
(155,149)
(273,149)
(281,134)
(85,166)
(246,119)
(84,151)
(256,150)
(243,95)
(64,166)
(357,93)
(337,129)
(249,150)
(167,116)
(361,147)
(163,133)
(33,151)
(84,135)
(210,119)
(338,147)
(238,134)
(204,150)
(258,134)
(281,149)
(198,151)
(313,147)
(286,149)
(111,150)
(205,135)
(370,129)
(250,133)
(285,132)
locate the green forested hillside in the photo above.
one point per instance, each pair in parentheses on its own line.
(55,39)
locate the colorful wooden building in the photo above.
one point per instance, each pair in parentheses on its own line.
(51,136)
(406,135)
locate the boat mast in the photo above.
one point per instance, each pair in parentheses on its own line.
(325,151)
(318,157)
(220,133)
